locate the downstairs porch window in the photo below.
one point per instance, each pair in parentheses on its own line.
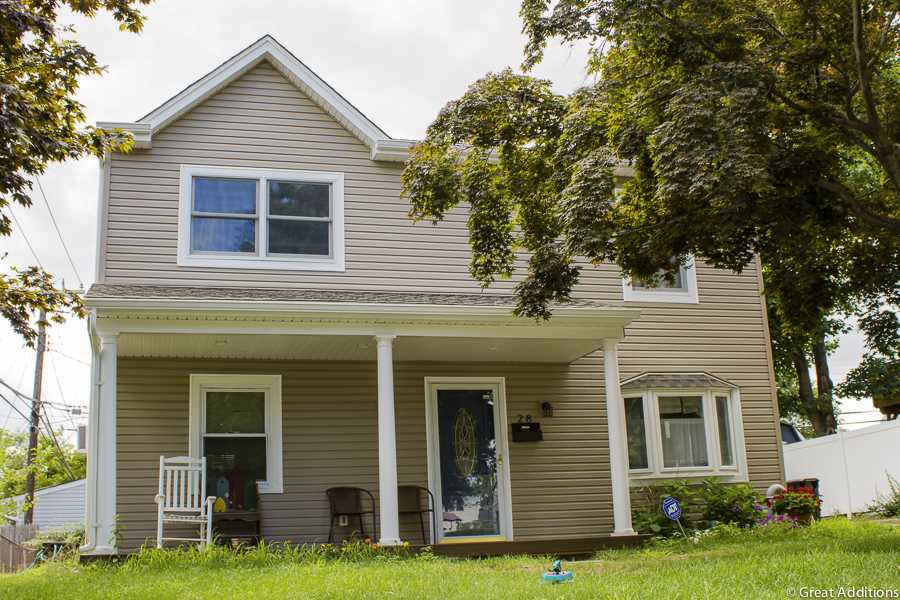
(235,422)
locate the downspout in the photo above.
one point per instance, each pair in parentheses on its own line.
(92,487)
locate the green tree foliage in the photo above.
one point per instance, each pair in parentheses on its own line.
(744,123)
(49,466)
(41,122)
(753,127)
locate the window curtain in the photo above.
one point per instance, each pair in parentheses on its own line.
(684,443)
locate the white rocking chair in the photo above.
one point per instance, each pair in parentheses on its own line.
(182,483)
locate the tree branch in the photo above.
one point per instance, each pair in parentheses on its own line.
(859,209)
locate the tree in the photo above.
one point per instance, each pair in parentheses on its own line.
(813,411)
(878,375)
(752,128)
(740,120)
(40,122)
(50,467)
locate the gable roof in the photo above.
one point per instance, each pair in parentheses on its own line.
(267,48)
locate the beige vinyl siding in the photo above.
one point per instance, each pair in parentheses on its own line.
(262,120)
(330,439)
(560,487)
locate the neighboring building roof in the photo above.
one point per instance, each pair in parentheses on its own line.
(100,291)
(675,380)
(51,489)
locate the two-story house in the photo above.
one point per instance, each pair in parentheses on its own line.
(263,300)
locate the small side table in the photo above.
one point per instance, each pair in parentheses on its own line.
(232,525)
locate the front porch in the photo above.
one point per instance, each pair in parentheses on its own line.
(354,404)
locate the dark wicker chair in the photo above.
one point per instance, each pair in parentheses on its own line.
(417,500)
(351,502)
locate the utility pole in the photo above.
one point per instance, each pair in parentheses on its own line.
(35,417)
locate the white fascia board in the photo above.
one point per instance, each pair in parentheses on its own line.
(393,150)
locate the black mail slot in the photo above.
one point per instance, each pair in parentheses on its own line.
(527,432)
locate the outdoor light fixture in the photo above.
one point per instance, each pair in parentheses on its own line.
(547,409)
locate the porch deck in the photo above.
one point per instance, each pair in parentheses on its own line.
(556,547)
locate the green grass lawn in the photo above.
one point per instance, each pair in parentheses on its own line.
(765,563)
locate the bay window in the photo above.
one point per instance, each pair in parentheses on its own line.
(261,218)
(682,431)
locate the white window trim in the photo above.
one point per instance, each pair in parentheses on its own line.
(656,471)
(271,385)
(688,295)
(334,262)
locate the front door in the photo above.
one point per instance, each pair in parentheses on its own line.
(468,460)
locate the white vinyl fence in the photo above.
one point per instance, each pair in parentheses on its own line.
(851,466)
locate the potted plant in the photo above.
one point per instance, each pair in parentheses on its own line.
(799,506)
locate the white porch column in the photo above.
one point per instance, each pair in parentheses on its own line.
(387,444)
(618,440)
(105,449)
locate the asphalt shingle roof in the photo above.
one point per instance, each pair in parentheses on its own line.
(148,292)
(674,380)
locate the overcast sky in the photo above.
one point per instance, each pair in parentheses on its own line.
(398,61)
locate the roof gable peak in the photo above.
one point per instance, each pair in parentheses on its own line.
(266,48)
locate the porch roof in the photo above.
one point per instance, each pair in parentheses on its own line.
(176,321)
(105,294)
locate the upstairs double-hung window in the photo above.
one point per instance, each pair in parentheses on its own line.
(681,289)
(251,218)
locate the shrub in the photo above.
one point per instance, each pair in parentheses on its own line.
(647,516)
(730,504)
(71,538)
(888,505)
(703,505)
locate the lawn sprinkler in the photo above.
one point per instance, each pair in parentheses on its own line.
(557,575)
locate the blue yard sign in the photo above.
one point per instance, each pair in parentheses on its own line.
(671,508)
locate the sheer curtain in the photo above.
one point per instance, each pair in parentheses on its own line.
(684,442)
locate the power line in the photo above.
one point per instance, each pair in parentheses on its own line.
(64,355)
(29,399)
(58,232)
(24,237)
(59,450)
(13,406)
(52,436)
(68,409)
